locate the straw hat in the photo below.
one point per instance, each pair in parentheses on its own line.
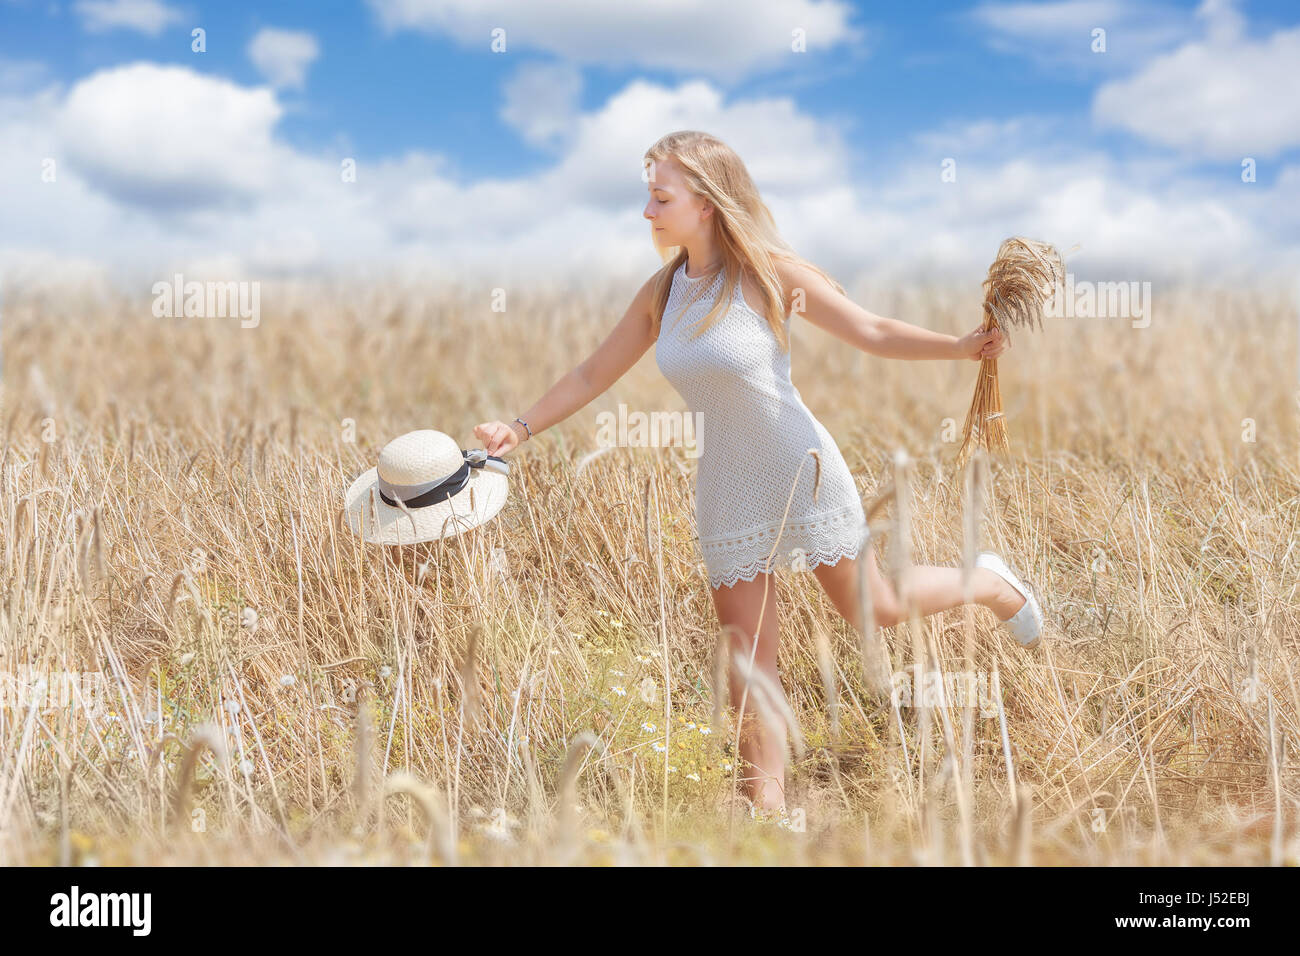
(446,489)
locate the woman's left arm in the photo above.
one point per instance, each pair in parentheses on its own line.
(828,309)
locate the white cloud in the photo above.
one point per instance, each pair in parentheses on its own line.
(722,40)
(143,16)
(1133,216)
(586,207)
(1224,97)
(1127,226)
(165,136)
(283,56)
(541,101)
(1004,136)
(1059,34)
(152,181)
(1224,22)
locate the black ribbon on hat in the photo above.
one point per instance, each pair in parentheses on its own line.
(440,489)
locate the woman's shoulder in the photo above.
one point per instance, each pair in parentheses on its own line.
(798,276)
(794,274)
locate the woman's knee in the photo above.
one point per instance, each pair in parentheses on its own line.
(889,615)
(844,586)
(884,606)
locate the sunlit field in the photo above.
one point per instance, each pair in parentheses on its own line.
(543,689)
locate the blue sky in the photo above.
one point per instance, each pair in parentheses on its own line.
(461,148)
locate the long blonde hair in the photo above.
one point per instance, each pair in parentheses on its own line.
(743,228)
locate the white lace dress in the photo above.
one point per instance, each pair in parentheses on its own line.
(754,431)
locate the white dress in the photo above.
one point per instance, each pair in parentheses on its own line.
(754,431)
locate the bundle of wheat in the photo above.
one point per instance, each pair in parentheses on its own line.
(1021,279)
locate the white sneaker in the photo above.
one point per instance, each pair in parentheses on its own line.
(1026,625)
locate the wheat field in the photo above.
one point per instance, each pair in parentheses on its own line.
(541,690)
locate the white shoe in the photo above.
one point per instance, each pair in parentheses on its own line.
(1026,625)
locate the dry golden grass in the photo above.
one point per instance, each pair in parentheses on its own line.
(170,495)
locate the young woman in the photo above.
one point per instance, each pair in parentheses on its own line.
(718,316)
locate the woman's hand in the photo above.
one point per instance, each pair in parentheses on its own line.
(497,437)
(979,345)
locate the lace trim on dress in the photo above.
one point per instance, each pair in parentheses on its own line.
(747,572)
(822,540)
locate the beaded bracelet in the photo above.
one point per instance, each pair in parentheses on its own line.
(525,424)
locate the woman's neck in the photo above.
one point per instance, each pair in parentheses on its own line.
(694,258)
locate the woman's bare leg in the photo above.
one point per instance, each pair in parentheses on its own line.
(762,748)
(933,589)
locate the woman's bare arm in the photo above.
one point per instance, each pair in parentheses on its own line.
(622,348)
(828,309)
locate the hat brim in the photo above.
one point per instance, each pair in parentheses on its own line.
(380,523)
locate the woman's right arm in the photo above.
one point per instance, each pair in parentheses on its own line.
(624,345)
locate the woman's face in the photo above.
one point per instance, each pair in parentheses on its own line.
(676,214)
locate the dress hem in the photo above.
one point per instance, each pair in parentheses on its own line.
(748,572)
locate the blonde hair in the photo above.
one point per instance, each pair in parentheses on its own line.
(743,229)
